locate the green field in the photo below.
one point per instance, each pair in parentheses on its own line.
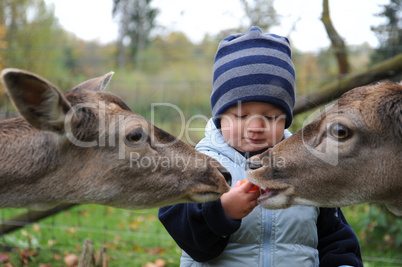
(133,238)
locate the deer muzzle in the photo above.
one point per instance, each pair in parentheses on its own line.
(253,164)
(226,174)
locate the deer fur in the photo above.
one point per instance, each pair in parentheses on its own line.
(350,154)
(87,146)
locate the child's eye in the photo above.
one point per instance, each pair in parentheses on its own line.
(240,116)
(271,118)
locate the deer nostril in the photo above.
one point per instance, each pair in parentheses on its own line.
(253,165)
(227,176)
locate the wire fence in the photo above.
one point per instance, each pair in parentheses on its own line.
(132,238)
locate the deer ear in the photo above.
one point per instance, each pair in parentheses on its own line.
(97,84)
(394,109)
(36,99)
(383,111)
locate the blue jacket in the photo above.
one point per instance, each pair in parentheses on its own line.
(298,236)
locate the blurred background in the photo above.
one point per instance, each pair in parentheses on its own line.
(162,52)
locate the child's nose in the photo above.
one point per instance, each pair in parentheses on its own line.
(257,124)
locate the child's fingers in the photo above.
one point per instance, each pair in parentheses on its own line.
(248,186)
(237,184)
(254,195)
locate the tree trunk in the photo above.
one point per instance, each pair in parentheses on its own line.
(337,43)
(24,219)
(383,70)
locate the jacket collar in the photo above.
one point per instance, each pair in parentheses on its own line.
(214,141)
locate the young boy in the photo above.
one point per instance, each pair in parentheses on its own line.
(252,101)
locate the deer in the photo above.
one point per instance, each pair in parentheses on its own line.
(86,146)
(349,154)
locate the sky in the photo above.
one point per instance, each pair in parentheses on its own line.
(300,19)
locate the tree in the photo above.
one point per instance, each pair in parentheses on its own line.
(13,13)
(389,34)
(3,43)
(337,43)
(33,37)
(260,13)
(386,69)
(136,20)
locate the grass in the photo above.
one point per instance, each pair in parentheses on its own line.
(379,250)
(133,238)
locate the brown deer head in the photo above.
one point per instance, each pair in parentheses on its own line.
(87,146)
(350,154)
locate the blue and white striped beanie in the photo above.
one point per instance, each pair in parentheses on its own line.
(253,67)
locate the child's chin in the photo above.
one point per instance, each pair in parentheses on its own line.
(255,149)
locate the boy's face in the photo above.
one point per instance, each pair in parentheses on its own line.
(253,126)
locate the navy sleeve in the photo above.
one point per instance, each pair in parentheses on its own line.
(201,230)
(337,242)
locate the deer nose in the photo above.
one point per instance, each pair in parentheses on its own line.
(226,174)
(253,164)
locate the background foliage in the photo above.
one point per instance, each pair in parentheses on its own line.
(169,69)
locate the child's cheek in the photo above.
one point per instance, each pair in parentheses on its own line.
(228,136)
(279,130)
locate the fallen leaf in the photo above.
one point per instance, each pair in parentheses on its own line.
(56,257)
(36,227)
(24,257)
(160,263)
(71,260)
(72,230)
(156,251)
(4,257)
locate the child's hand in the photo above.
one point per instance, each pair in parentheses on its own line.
(239,202)
(255,188)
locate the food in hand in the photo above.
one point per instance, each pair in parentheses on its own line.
(255,188)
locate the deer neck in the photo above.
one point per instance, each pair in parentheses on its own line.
(26,153)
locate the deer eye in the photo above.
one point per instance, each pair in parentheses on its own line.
(136,137)
(339,131)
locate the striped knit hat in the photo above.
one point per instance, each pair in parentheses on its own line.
(253,67)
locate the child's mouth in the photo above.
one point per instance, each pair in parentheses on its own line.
(255,141)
